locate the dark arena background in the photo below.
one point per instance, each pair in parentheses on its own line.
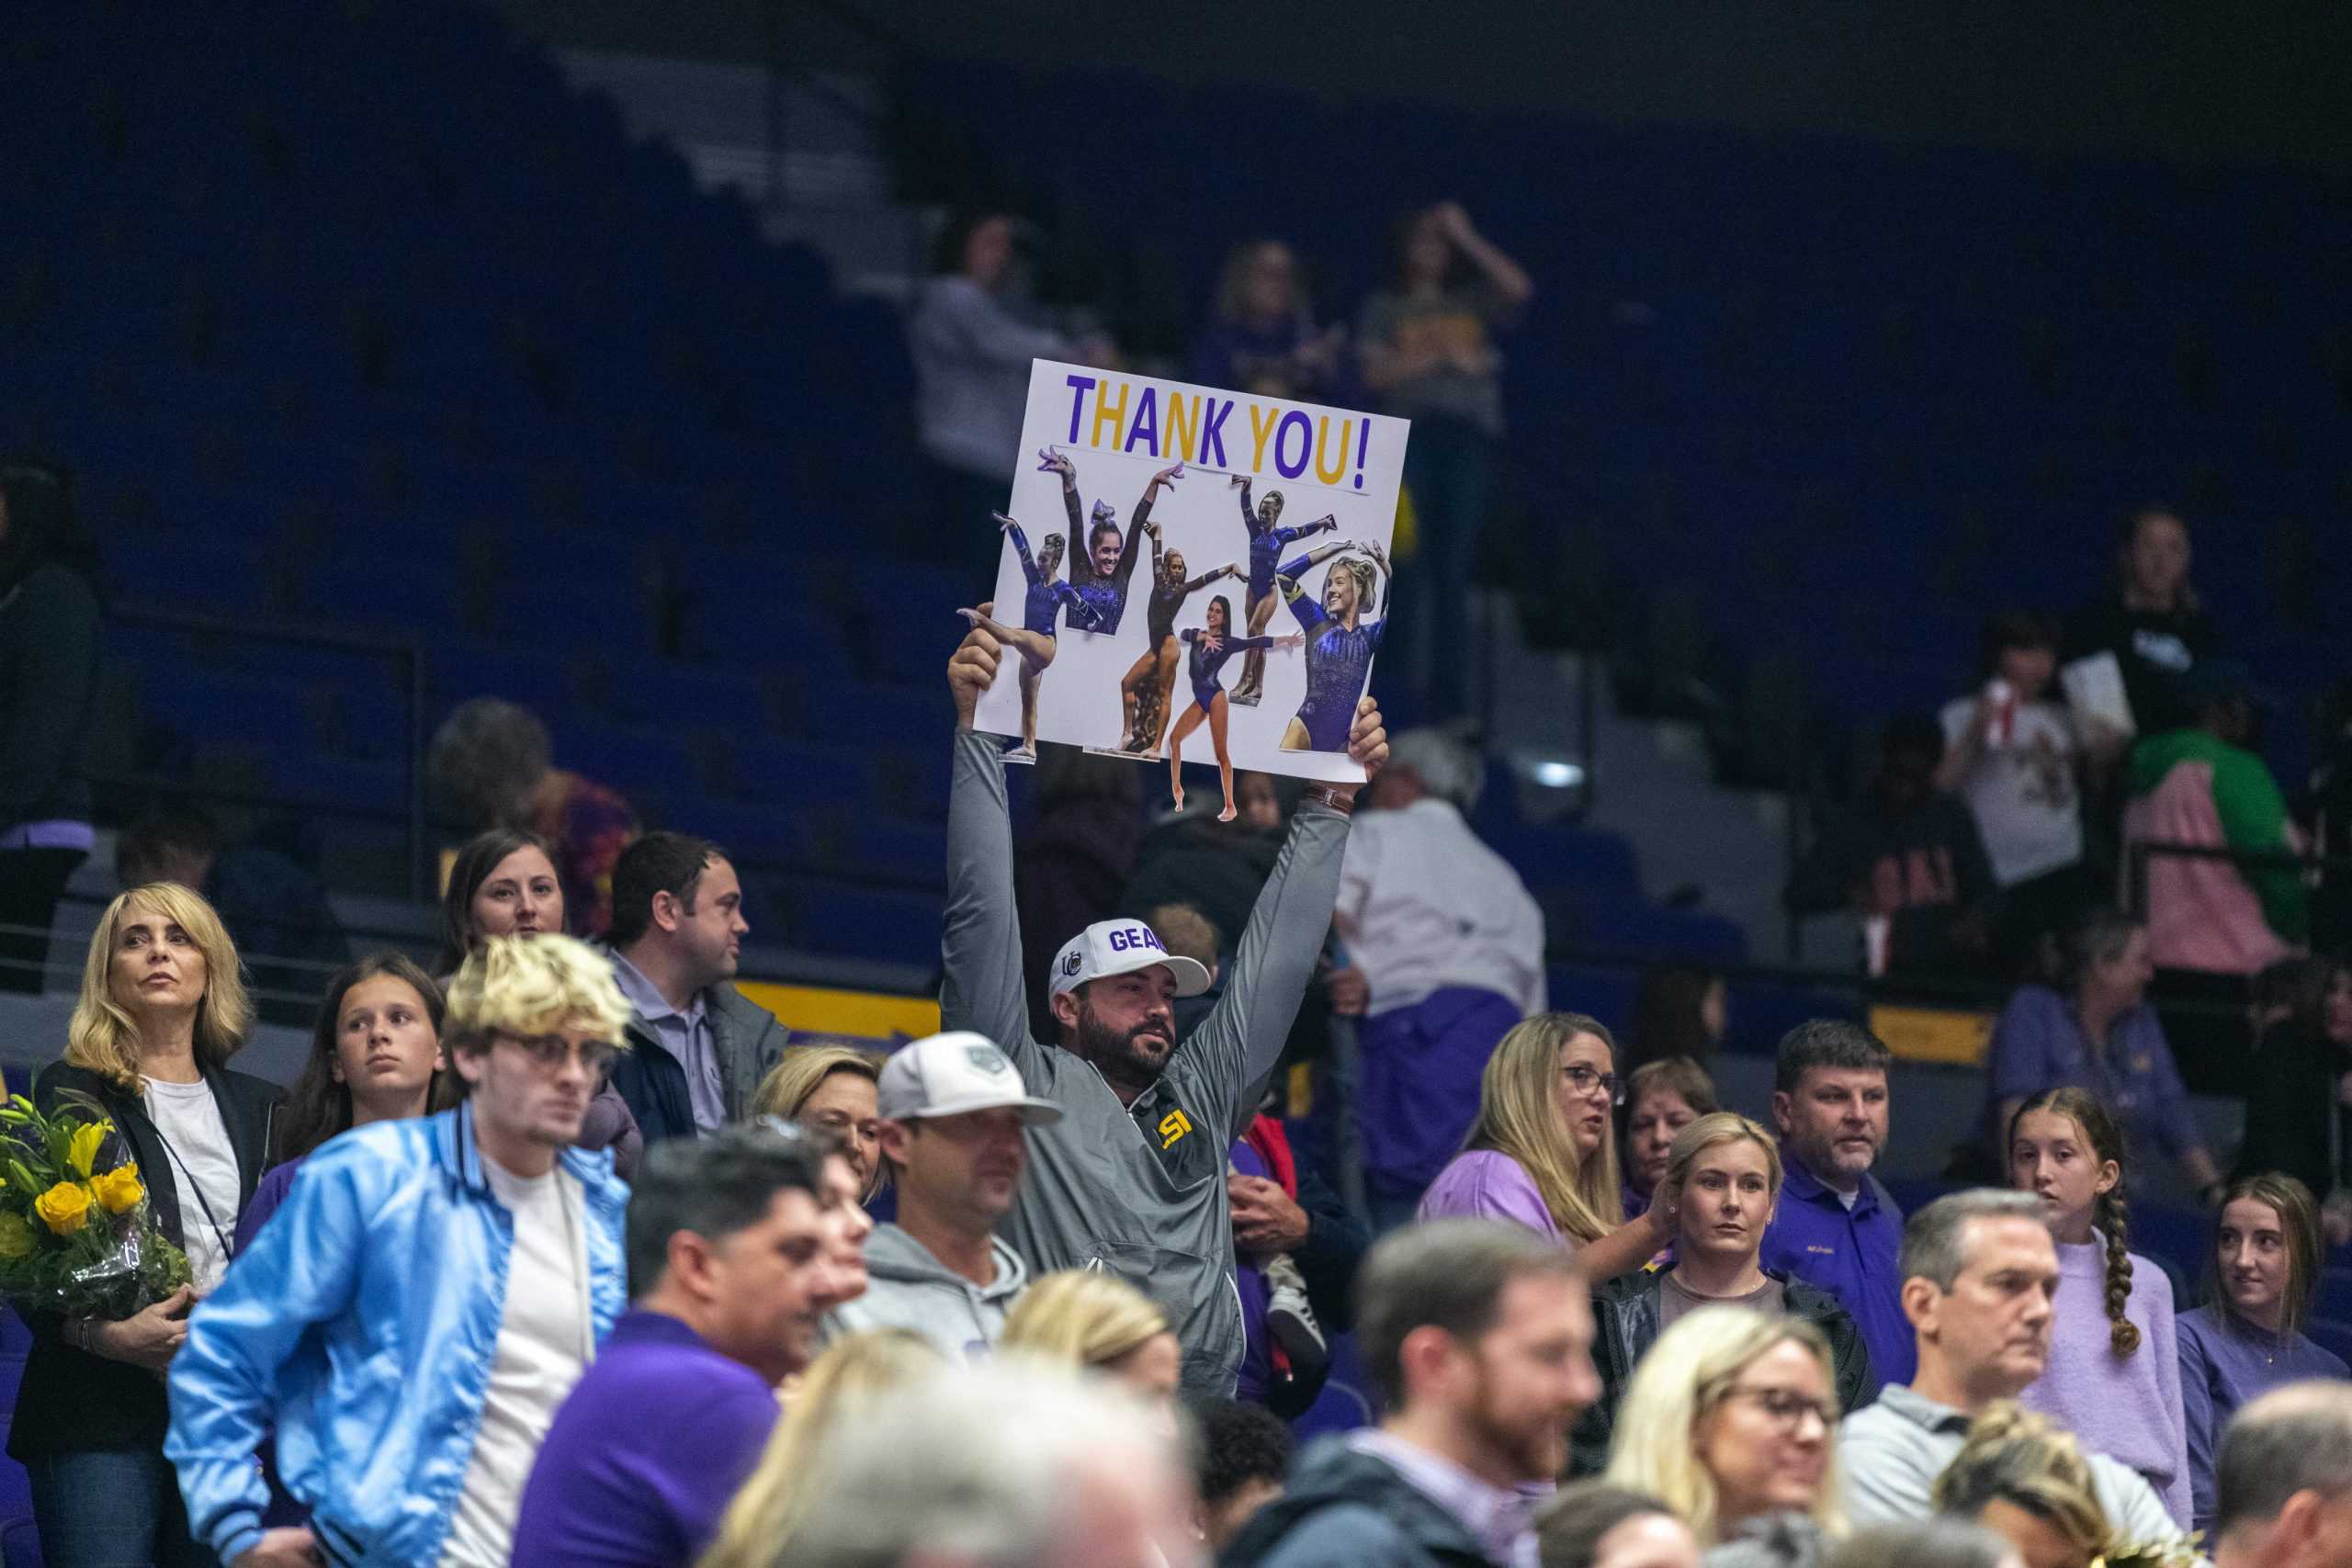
(392,356)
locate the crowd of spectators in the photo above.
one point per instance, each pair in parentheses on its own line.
(570,1255)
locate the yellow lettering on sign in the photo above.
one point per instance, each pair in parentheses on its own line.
(1173,1126)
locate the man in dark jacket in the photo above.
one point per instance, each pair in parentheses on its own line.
(1479,1336)
(698,1047)
(1723,1182)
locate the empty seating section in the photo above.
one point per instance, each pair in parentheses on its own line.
(1877,390)
(495,379)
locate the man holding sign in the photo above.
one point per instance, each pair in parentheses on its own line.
(1132,1178)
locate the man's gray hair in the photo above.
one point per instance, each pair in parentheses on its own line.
(972,1465)
(1448,768)
(1935,1242)
(2294,1439)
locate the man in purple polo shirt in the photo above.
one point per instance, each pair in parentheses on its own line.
(730,1252)
(1838,1228)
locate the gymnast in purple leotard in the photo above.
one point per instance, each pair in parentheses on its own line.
(1266,546)
(1211,648)
(1100,576)
(1046,598)
(1339,651)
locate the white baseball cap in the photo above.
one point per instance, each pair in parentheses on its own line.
(1122,947)
(947,1075)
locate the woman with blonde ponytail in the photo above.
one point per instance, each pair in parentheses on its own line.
(1543,1152)
(2113,1375)
(2026,1480)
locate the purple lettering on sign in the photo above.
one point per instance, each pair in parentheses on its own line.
(1283,464)
(1213,434)
(1146,428)
(1080,386)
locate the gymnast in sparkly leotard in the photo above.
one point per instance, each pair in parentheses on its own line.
(1339,651)
(1266,546)
(1145,689)
(1100,576)
(1211,647)
(1044,601)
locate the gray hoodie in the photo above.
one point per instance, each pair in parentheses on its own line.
(908,1288)
(1138,1189)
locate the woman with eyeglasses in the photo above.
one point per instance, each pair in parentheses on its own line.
(1542,1151)
(1731,1422)
(1721,1183)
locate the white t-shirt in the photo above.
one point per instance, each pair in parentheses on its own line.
(1429,905)
(188,1119)
(545,1342)
(2023,795)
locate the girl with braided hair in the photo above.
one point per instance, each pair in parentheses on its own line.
(2113,1374)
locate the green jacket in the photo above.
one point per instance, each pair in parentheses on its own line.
(2253,813)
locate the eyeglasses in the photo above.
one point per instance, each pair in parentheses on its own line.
(1784,1407)
(551,1051)
(1583,1080)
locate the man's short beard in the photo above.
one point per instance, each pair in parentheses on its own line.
(1114,1052)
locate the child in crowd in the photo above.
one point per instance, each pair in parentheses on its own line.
(2113,1375)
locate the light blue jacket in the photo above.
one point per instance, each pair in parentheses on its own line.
(361,1326)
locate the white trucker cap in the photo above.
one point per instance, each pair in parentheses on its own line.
(1122,947)
(947,1075)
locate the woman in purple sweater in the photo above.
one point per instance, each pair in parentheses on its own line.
(1543,1152)
(2113,1375)
(2248,1340)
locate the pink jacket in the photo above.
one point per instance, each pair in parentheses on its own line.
(2201,914)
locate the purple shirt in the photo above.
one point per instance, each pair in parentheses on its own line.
(2225,1361)
(645,1453)
(2127,1407)
(1257,1374)
(1851,1253)
(2037,1043)
(268,1193)
(1483,1184)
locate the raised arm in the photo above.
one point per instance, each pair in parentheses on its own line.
(1054,461)
(1303,564)
(1231,568)
(1311,618)
(1248,512)
(1020,547)
(303,1270)
(981,947)
(1505,277)
(1166,476)
(1242,1038)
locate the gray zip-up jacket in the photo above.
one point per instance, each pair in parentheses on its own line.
(908,1288)
(1138,1190)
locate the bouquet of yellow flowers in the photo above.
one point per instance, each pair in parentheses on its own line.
(76,1237)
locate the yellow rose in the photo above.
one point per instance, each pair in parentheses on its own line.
(15,1236)
(82,1149)
(118,1189)
(64,1208)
